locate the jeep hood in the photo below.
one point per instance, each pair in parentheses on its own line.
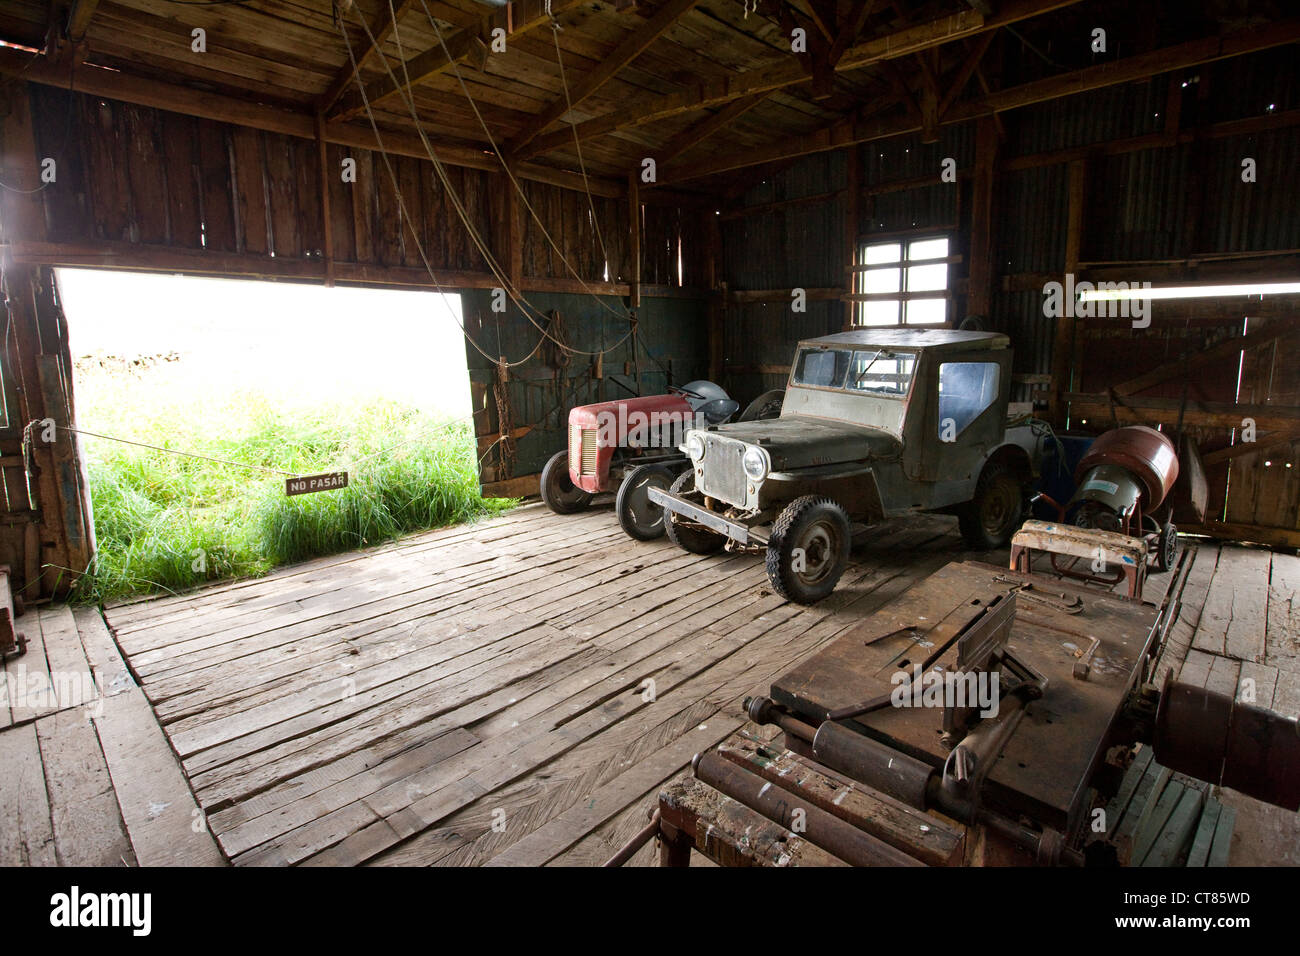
(805,442)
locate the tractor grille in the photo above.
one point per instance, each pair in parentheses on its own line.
(724,476)
(582,449)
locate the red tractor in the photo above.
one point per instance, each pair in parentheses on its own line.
(632,444)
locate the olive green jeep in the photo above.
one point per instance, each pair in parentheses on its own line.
(877,423)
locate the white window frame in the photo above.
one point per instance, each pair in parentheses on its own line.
(904,264)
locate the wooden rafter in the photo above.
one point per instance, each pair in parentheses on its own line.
(461,46)
(698,132)
(784,74)
(851,28)
(381,30)
(1126,70)
(969,65)
(466,45)
(632,46)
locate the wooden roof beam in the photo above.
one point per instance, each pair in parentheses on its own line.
(963,74)
(465,45)
(789,72)
(698,132)
(632,46)
(1142,66)
(381,30)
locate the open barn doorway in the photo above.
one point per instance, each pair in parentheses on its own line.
(197,398)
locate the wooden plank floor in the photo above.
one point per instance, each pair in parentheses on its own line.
(513,692)
(89,779)
(517,689)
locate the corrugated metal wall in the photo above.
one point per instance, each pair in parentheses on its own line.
(1138,203)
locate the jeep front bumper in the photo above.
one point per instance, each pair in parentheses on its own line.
(741,534)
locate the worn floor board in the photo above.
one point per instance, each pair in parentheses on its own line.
(513,691)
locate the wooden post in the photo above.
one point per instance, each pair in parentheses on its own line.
(328,219)
(979,294)
(852,219)
(1065,350)
(717,296)
(634,237)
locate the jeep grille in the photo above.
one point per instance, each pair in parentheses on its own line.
(582,449)
(724,475)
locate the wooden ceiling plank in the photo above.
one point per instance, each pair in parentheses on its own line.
(632,46)
(909,40)
(1126,70)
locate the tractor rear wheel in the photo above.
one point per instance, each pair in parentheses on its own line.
(989,519)
(809,549)
(558,490)
(686,534)
(640,517)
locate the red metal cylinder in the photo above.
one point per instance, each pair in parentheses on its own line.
(1145,452)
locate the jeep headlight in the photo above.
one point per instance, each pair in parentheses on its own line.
(695,446)
(755,464)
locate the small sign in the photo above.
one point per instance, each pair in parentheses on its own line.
(309,483)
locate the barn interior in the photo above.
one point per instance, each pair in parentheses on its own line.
(630,196)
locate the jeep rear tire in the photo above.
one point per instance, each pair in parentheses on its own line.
(640,517)
(558,490)
(809,549)
(690,536)
(996,512)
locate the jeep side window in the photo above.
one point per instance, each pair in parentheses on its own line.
(822,368)
(882,372)
(966,389)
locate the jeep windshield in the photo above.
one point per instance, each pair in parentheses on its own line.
(886,373)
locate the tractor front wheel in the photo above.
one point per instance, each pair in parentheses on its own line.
(809,549)
(558,490)
(685,533)
(640,517)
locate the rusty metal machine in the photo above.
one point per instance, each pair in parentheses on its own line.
(983,718)
(1110,524)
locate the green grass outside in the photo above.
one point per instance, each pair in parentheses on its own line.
(165,523)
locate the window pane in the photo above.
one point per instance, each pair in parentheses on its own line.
(927,278)
(882,252)
(882,312)
(965,390)
(881,280)
(824,368)
(882,372)
(927,311)
(928,249)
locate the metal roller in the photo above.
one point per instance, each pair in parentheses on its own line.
(832,834)
(875,764)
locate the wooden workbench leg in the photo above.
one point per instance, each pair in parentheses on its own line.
(674,846)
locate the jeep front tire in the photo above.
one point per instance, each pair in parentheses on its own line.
(809,549)
(687,534)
